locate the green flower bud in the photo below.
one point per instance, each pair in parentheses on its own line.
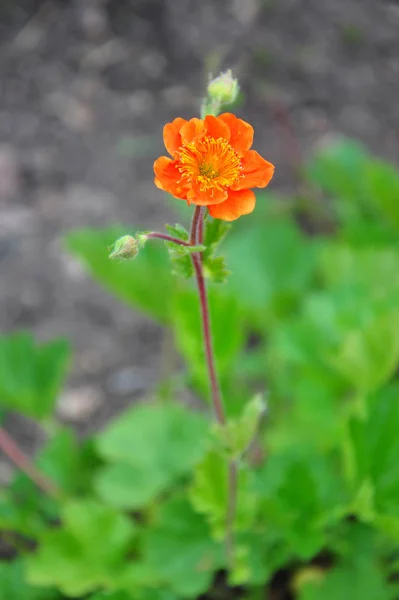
(224,88)
(126,247)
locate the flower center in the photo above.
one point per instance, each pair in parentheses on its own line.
(212,164)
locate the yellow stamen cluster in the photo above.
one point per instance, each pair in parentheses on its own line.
(211,163)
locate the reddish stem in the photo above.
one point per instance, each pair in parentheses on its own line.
(197,225)
(167,238)
(206,329)
(196,237)
(11,449)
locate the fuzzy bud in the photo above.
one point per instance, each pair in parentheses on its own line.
(224,88)
(126,247)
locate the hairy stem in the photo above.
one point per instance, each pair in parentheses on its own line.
(197,238)
(197,225)
(206,329)
(166,238)
(20,460)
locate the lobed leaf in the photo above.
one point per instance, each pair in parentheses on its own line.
(31,374)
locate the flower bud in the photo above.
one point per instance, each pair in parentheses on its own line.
(126,247)
(224,88)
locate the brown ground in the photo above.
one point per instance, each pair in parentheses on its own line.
(85,88)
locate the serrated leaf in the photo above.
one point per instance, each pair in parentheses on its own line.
(238,433)
(13,585)
(260,552)
(364,188)
(216,269)
(128,487)
(182,266)
(31,374)
(374,448)
(360,580)
(69,464)
(215,232)
(179,549)
(177,250)
(24,509)
(227,331)
(272,265)
(178,231)
(74,557)
(300,495)
(209,494)
(143,594)
(149,447)
(145,283)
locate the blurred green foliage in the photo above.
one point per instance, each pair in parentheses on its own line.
(310,321)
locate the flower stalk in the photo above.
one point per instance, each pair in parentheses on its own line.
(232,475)
(205,318)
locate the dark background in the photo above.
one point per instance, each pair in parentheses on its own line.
(85,89)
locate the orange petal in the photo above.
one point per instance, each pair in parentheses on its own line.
(192,130)
(242,133)
(256,171)
(216,128)
(167,177)
(237,204)
(171,135)
(205,198)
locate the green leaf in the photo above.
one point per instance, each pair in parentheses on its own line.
(209,494)
(339,169)
(369,357)
(350,332)
(87,552)
(301,496)
(227,332)
(216,269)
(260,552)
(13,584)
(179,549)
(215,232)
(272,264)
(360,580)
(69,464)
(373,451)
(149,448)
(145,283)
(364,187)
(141,595)
(373,269)
(238,433)
(182,264)
(129,487)
(112,596)
(178,231)
(24,509)
(181,258)
(31,374)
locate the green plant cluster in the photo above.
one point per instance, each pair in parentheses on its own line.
(307,326)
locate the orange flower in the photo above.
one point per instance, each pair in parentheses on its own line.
(212,165)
